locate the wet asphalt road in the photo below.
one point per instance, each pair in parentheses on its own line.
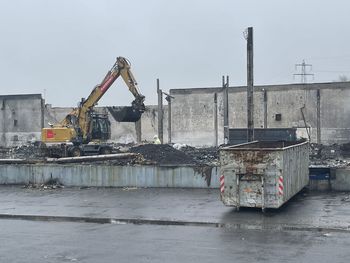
(318,211)
(27,241)
(52,226)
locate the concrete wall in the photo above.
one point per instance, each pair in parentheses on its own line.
(193,111)
(193,114)
(342,180)
(108,175)
(137,176)
(20,118)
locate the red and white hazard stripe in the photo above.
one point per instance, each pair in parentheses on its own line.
(280,185)
(222,183)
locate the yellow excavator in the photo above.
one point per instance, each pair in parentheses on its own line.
(84,131)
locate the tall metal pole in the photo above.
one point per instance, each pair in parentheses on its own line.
(250,85)
(160,112)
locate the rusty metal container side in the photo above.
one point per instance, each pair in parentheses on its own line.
(263,174)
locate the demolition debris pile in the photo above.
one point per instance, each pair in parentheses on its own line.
(175,155)
(28,151)
(147,154)
(208,155)
(335,155)
(163,154)
(52,184)
(178,154)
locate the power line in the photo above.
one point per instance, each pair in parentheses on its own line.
(332,71)
(303,74)
(338,57)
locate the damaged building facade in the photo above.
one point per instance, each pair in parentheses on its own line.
(320,109)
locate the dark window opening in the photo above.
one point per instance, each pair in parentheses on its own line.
(278,117)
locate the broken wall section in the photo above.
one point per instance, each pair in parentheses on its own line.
(21,119)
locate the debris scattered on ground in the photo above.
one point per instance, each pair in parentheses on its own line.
(129,188)
(181,154)
(148,154)
(28,151)
(49,185)
(335,155)
(346,199)
(208,155)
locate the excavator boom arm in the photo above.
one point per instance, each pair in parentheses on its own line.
(120,68)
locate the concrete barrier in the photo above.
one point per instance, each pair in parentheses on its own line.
(110,176)
(85,175)
(341,182)
(329,179)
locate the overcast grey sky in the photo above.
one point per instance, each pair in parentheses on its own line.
(66,46)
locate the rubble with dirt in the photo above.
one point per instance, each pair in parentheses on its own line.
(51,184)
(207,155)
(28,151)
(336,155)
(181,154)
(163,154)
(147,154)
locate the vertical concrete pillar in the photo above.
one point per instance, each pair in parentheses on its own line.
(225,99)
(42,113)
(160,112)
(265,108)
(168,99)
(216,119)
(318,122)
(250,86)
(138,128)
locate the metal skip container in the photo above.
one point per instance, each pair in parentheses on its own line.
(263,174)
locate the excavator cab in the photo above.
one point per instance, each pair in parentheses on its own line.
(101,127)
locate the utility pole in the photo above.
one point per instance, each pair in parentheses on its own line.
(303,73)
(250,84)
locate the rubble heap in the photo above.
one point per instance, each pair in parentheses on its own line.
(162,154)
(208,156)
(335,155)
(28,151)
(49,185)
(180,154)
